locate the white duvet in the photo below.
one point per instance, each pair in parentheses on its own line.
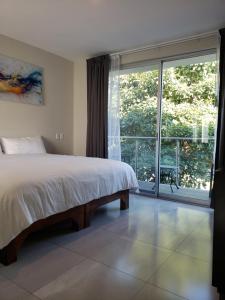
(33,187)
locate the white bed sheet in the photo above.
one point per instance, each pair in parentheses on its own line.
(33,187)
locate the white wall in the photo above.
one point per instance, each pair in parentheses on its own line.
(80,106)
(56,115)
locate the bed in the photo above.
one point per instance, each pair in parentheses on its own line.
(37,190)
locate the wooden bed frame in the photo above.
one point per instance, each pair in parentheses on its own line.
(91,206)
(79,216)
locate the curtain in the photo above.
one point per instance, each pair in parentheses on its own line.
(220,149)
(114,147)
(220,141)
(97,106)
(218,202)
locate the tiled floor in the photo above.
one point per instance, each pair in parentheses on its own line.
(157,250)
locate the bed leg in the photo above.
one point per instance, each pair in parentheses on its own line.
(8,255)
(87,216)
(78,219)
(77,224)
(124,200)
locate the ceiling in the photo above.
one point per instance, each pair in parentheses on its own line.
(89,27)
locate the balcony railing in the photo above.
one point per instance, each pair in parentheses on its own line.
(190,159)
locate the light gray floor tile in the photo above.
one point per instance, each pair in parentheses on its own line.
(205,228)
(199,243)
(91,280)
(166,237)
(197,246)
(10,291)
(148,230)
(87,242)
(135,258)
(150,292)
(187,277)
(182,219)
(39,264)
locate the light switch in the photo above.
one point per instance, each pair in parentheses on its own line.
(57,136)
(61,136)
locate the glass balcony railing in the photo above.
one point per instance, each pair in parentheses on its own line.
(186,163)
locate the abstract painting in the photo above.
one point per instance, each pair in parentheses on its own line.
(20,81)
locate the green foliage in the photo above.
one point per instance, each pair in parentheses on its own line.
(188,111)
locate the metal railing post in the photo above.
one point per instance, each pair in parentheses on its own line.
(136,157)
(177,161)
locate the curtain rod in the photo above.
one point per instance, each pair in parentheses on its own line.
(173,42)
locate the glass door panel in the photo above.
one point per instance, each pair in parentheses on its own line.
(138,129)
(188,123)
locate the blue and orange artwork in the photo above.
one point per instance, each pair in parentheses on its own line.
(20,81)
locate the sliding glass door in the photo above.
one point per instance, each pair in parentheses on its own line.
(188,126)
(168,125)
(138,126)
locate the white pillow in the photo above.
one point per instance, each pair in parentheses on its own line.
(26,145)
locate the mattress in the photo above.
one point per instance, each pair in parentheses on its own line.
(35,186)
